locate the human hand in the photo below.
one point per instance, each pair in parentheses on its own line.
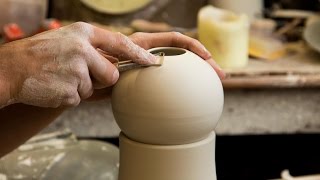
(150,40)
(175,39)
(63,67)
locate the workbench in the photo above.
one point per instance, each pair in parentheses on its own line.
(299,68)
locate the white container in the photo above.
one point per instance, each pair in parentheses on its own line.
(28,14)
(225,34)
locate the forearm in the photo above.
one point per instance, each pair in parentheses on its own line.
(19,122)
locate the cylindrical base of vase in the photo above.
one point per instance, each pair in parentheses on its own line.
(195,161)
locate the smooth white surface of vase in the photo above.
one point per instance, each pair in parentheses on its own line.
(167,115)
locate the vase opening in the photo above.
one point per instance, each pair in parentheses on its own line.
(169,51)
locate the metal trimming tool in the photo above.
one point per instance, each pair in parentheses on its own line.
(130,64)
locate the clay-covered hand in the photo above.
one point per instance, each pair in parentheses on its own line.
(62,67)
(175,39)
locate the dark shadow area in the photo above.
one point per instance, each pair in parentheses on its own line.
(263,156)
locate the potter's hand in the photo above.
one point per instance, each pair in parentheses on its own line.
(150,40)
(62,67)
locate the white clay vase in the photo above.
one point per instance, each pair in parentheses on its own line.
(167,115)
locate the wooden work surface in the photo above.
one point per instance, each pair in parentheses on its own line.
(300,68)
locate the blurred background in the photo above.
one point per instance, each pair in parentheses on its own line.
(269,49)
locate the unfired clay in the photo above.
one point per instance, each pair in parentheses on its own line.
(177,103)
(167,115)
(195,161)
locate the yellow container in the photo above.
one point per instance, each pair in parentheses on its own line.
(225,35)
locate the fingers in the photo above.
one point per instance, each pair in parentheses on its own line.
(107,56)
(121,46)
(216,67)
(85,88)
(99,71)
(103,72)
(150,40)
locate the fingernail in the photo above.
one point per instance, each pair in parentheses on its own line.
(224,75)
(221,73)
(219,67)
(115,76)
(207,52)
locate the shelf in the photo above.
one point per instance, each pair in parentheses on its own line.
(300,68)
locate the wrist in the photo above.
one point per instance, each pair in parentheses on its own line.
(5,97)
(7,78)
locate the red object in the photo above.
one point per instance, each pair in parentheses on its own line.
(54,24)
(49,24)
(12,32)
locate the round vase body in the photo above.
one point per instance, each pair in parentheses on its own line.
(179,102)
